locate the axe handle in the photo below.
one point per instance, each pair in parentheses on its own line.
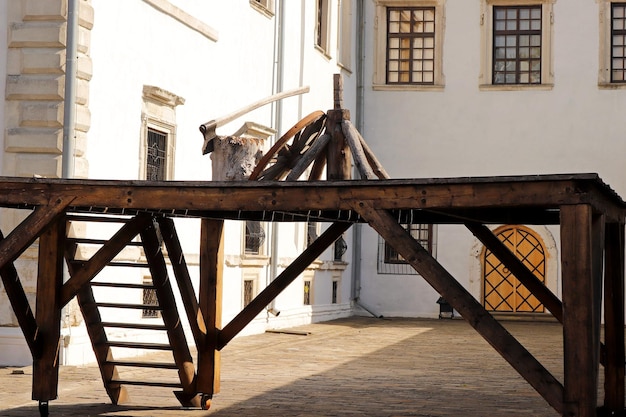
(230,117)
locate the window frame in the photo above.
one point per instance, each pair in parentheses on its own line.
(389,263)
(380,47)
(487,42)
(265,7)
(605,47)
(321,38)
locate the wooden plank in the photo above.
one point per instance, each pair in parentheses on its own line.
(102,350)
(170,316)
(581,294)
(615,356)
(48,312)
(282,281)
(249,196)
(29,230)
(471,310)
(104,255)
(19,303)
(518,268)
(183,279)
(317,148)
(210,301)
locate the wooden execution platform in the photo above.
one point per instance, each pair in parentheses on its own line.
(590,215)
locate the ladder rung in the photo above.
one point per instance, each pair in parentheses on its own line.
(159,365)
(147,383)
(135,345)
(139,326)
(134,306)
(85,240)
(122,285)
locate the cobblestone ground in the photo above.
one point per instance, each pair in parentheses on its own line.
(350,367)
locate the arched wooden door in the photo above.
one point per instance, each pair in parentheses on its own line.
(502,292)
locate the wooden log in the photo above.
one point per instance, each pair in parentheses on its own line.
(360,160)
(309,156)
(459,298)
(48,312)
(183,279)
(517,268)
(615,356)
(581,258)
(104,255)
(374,163)
(170,316)
(211,283)
(281,282)
(339,160)
(234,158)
(19,303)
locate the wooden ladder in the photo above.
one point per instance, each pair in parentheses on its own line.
(111,369)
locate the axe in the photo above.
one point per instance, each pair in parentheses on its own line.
(208,128)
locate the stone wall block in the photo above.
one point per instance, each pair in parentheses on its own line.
(83,119)
(41,114)
(85,14)
(82,92)
(42,60)
(84,67)
(32,140)
(37,35)
(84,40)
(35,87)
(44,165)
(44,10)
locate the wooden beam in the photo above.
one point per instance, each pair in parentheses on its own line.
(210,301)
(518,268)
(183,279)
(48,312)
(282,281)
(581,261)
(615,356)
(30,228)
(170,316)
(459,298)
(19,303)
(104,255)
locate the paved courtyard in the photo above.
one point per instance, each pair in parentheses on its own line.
(350,367)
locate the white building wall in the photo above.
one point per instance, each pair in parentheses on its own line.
(464,130)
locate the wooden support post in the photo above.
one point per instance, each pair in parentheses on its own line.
(459,298)
(48,312)
(581,258)
(211,272)
(170,316)
(339,157)
(614,320)
(281,282)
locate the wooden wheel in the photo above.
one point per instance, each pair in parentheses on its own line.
(285,156)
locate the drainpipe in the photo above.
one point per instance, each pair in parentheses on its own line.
(69,103)
(359,121)
(277,86)
(69,123)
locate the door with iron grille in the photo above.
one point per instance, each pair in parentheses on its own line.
(502,292)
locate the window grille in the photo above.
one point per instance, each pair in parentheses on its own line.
(307,293)
(156,158)
(411,45)
(517,45)
(618,43)
(248,291)
(149,298)
(391,262)
(254,237)
(335,292)
(311,232)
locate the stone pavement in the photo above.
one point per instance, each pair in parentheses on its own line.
(350,367)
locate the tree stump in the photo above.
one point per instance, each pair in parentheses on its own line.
(235,157)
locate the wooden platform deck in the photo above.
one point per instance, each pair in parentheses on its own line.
(590,215)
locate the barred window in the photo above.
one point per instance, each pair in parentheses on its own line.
(517,44)
(149,298)
(156,156)
(254,237)
(618,43)
(391,262)
(248,291)
(410,45)
(307,292)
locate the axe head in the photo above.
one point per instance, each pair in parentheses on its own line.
(208,131)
